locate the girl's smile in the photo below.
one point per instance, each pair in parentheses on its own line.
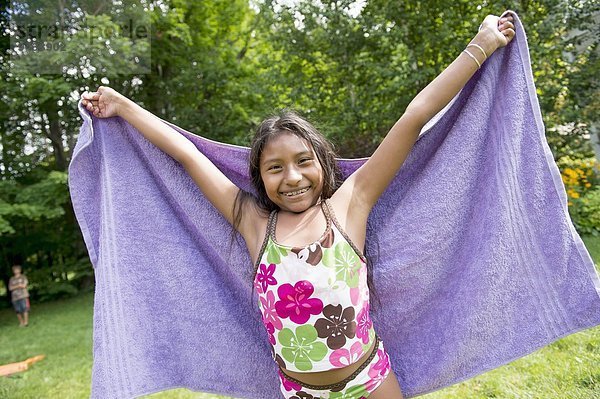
(291,172)
(296,193)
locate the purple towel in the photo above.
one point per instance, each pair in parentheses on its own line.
(479,263)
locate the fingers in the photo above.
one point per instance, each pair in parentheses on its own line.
(90,96)
(91,103)
(90,107)
(506,26)
(509,33)
(506,22)
(87,101)
(94,109)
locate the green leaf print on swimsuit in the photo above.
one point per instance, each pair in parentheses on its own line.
(345,261)
(300,348)
(358,391)
(275,253)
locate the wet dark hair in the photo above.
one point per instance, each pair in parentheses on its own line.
(289,121)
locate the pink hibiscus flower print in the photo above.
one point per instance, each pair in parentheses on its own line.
(378,371)
(303,395)
(344,357)
(269,312)
(258,287)
(265,276)
(364,324)
(295,302)
(287,384)
(360,293)
(270,331)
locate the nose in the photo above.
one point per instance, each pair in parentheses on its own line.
(293,176)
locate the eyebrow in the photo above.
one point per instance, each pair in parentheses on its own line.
(274,159)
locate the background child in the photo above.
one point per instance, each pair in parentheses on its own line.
(19,295)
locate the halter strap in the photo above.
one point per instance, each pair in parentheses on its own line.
(270,226)
(331,215)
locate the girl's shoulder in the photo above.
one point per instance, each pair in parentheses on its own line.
(350,214)
(249,208)
(346,203)
(253,224)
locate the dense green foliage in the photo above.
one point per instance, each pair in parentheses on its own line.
(217,68)
(586,216)
(583,192)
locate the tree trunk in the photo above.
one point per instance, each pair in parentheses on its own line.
(57,145)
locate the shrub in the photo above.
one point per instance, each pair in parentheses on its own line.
(581,182)
(55,290)
(585,213)
(578,175)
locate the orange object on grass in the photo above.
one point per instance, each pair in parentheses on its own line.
(12,368)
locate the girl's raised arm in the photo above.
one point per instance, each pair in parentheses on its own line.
(217,188)
(366,185)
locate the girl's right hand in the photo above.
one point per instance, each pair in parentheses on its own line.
(104,103)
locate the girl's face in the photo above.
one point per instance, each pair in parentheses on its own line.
(291,172)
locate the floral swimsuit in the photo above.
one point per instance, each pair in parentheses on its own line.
(314,302)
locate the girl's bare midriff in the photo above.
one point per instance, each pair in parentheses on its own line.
(330,376)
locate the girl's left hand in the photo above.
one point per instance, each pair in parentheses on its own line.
(502,29)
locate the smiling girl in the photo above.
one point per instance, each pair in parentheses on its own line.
(305,229)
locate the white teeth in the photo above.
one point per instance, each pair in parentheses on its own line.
(296,192)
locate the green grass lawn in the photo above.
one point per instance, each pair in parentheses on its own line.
(62,330)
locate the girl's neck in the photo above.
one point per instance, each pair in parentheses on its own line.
(316,204)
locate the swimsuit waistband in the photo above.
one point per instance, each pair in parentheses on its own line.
(346,380)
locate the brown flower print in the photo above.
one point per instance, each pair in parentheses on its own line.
(312,254)
(337,325)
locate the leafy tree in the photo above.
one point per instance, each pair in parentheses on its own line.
(217,68)
(357,75)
